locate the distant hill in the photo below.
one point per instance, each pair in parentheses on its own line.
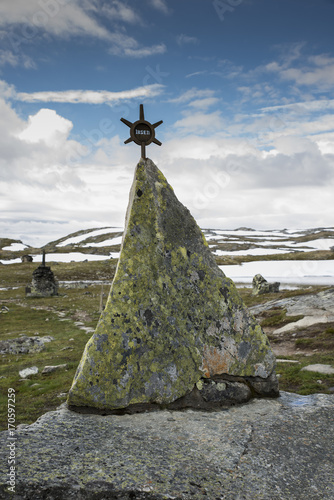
(229,246)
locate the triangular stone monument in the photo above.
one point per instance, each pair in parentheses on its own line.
(174,331)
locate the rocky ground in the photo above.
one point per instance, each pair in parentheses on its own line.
(310,315)
(275,449)
(266,449)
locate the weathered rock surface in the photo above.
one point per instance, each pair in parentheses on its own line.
(172,320)
(319,304)
(275,449)
(319,368)
(55,368)
(24,344)
(27,372)
(261,285)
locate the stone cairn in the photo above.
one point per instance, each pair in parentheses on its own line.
(43,282)
(175,332)
(27,258)
(261,285)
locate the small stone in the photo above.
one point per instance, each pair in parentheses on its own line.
(51,369)
(225,393)
(27,372)
(62,395)
(287,361)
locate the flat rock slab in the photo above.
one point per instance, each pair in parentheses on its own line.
(319,368)
(304,323)
(24,345)
(265,449)
(319,304)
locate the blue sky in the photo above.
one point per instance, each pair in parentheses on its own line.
(244,87)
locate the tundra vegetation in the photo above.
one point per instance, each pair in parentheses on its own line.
(67,317)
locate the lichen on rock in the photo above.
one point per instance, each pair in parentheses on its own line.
(172,317)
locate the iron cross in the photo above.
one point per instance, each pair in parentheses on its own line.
(142,132)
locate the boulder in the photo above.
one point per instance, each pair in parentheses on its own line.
(261,285)
(24,344)
(27,258)
(269,449)
(27,372)
(174,330)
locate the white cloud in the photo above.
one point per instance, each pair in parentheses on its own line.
(303,107)
(200,123)
(204,103)
(218,168)
(118,11)
(46,126)
(228,69)
(9,57)
(68,18)
(90,96)
(160,5)
(7,90)
(322,77)
(185,39)
(229,182)
(137,51)
(196,73)
(313,71)
(191,94)
(60,18)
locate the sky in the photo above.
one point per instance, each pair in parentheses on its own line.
(245,89)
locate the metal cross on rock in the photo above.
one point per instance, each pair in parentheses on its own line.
(142,132)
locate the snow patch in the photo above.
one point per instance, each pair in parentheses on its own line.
(89,234)
(15,247)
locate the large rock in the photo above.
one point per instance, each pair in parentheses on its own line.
(174,326)
(278,449)
(261,285)
(24,344)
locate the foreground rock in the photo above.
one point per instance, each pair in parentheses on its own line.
(266,449)
(174,330)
